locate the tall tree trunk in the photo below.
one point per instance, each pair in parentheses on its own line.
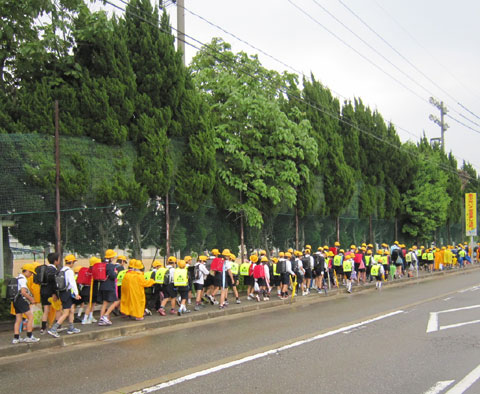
(167,226)
(337,222)
(242,234)
(370,229)
(395,230)
(296,228)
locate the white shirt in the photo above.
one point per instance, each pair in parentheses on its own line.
(70,280)
(288,267)
(203,273)
(21,283)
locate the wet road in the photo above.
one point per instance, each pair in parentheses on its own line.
(372,342)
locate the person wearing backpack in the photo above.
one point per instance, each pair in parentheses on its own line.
(46,276)
(67,291)
(107,293)
(200,273)
(169,291)
(21,304)
(286,274)
(85,292)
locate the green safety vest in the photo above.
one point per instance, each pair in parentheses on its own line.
(347,265)
(384,260)
(120,277)
(160,275)
(375,270)
(235,268)
(424,256)
(180,277)
(419,252)
(275,270)
(245,268)
(337,260)
(367,260)
(408,257)
(377,258)
(430,256)
(461,253)
(147,275)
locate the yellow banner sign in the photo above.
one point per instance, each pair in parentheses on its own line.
(471,214)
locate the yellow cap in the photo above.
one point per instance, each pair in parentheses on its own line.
(253,258)
(157,263)
(181,263)
(281,254)
(138,265)
(70,258)
(132,263)
(264,259)
(225,252)
(187,258)
(110,254)
(215,252)
(94,260)
(275,260)
(202,258)
(123,258)
(29,267)
(172,259)
(77,268)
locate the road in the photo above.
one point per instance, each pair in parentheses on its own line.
(421,338)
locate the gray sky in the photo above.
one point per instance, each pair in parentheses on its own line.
(440,38)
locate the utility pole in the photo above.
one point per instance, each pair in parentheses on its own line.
(181,28)
(58,245)
(440,122)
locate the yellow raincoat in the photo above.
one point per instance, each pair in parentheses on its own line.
(132,302)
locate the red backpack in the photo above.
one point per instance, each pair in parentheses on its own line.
(217,264)
(99,271)
(84,276)
(259,271)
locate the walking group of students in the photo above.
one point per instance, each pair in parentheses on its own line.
(125,287)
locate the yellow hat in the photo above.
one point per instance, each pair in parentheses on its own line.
(307,251)
(370,245)
(94,260)
(320,249)
(172,259)
(225,252)
(298,253)
(396,242)
(123,258)
(308,247)
(364,245)
(253,258)
(132,263)
(181,263)
(157,263)
(275,260)
(288,254)
(337,243)
(381,251)
(341,251)
(110,254)
(202,258)
(70,258)
(139,265)
(232,256)
(264,259)
(325,247)
(29,267)
(290,250)
(281,254)
(331,254)
(263,252)
(215,252)
(353,247)
(369,251)
(187,258)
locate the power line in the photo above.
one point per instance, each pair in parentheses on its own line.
(284,91)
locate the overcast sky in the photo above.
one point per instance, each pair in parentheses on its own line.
(438,41)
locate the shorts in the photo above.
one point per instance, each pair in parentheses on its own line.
(318,271)
(361,270)
(170,291)
(44,299)
(357,266)
(198,286)
(261,282)
(106,296)
(398,264)
(208,281)
(248,281)
(299,279)
(386,267)
(182,292)
(338,269)
(308,273)
(285,278)
(217,279)
(229,281)
(348,274)
(20,304)
(378,277)
(277,280)
(85,294)
(66,298)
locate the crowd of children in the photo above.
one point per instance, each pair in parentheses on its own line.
(124,287)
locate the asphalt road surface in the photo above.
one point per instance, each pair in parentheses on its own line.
(421,338)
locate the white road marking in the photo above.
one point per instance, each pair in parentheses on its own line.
(448,298)
(261,355)
(432,322)
(474,288)
(439,386)
(432,325)
(466,382)
(459,324)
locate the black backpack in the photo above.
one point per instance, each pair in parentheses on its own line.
(61,281)
(295,265)
(196,271)
(306,263)
(41,273)
(281,266)
(12,288)
(166,278)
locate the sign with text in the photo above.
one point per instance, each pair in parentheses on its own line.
(471,214)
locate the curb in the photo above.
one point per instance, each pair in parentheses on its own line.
(117,332)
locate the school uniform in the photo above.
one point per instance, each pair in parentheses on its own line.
(107,289)
(66,296)
(48,289)
(20,303)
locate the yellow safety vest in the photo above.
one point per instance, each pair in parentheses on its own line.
(384,260)
(160,275)
(375,270)
(408,258)
(424,256)
(377,258)
(235,268)
(245,268)
(461,253)
(367,260)
(337,260)
(275,270)
(430,256)
(147,275)
(120,277)
(180,277)
(347,265)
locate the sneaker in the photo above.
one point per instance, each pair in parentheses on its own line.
(53,333)
(173,312)
(107,320)
(86,321)
(15,341)
(186,311)
(73,331)
(138,318)
(221,307)
(161,312)
(226,302)
(215,302)
(238,301)
(43,331)
(197,308)
(148,312)
(102,322)
(257,297)
(92,319)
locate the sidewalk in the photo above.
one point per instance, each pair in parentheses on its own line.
(122,326)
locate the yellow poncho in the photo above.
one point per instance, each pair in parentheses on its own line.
(132,302)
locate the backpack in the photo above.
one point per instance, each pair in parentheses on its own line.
(84,276)
(61,281)
(167,279)
(295,265)
(40,277)
(281,267)
(196,272)
(99,272)
(306,263)
(259,271)
(12,288)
